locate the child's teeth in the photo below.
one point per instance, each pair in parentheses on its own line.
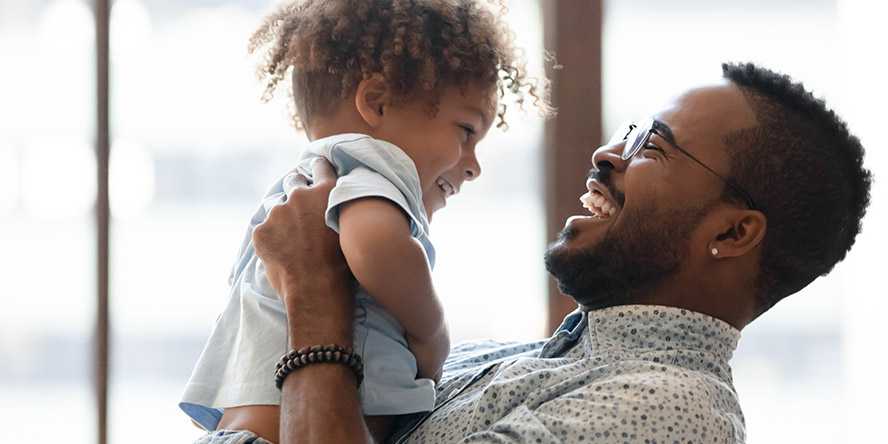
(446,187)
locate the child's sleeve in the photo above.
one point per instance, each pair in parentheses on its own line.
(274,195)
(363,182)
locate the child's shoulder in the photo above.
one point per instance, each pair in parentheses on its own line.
(350,141)
(352,150)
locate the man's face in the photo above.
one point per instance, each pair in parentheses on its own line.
(645,210)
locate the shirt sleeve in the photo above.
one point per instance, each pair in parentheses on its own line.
(363,182)
(620,410)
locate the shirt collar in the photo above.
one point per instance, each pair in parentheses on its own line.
(654,327)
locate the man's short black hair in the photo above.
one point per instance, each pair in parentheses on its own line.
(804,170)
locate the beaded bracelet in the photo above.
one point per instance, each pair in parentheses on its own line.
(317,354)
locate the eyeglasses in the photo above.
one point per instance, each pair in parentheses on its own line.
(637,136)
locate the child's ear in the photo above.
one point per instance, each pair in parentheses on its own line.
(371,98)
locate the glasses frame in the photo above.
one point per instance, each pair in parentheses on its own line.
(650,126)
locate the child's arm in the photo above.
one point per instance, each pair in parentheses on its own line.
(391,265)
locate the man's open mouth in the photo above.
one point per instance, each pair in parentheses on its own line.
(597,201)
(597,205)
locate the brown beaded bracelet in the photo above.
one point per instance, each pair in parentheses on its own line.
(316,354)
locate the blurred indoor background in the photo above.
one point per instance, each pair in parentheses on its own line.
(193,149)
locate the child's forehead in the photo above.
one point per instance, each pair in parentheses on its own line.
(472,98)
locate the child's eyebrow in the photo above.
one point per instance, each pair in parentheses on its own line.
(473,109)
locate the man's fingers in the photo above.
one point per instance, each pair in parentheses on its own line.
(322,171)
(294,180)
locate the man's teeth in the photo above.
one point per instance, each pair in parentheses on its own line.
(598,205)
(445,187)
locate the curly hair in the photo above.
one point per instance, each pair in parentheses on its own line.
(417,46)
(805,171)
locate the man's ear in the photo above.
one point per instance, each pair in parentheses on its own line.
(372,96)
(740,232)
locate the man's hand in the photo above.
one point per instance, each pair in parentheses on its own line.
(294,242)
(304,262)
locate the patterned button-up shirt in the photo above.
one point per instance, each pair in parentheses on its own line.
(627,374)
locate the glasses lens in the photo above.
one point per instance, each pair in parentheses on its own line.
(633,141)
(622,132)
(636,139)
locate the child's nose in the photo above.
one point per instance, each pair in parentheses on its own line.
(472,168)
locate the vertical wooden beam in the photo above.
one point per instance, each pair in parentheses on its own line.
(573,31)
(103,216)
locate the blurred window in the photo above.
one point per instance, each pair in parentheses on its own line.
(47,190)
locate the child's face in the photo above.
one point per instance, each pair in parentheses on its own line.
(442,146)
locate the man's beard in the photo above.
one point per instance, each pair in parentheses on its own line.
(649,247)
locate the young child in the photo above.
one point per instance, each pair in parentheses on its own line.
(396,95)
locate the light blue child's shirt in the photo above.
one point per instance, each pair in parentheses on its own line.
(238,362)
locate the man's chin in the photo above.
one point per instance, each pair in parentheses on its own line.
(571,243)
(584,275)
(593,298)
(564,264)
(567,235)
(583,233)
(558,252)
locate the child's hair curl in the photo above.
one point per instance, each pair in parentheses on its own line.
(417,46)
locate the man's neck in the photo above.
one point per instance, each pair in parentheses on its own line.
(708,296)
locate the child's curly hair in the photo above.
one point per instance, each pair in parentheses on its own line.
(417,46)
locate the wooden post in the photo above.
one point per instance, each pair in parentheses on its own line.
(573,32)
(103,216)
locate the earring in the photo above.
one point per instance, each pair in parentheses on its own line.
(714,251)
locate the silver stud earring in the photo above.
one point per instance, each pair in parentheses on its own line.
(714,251)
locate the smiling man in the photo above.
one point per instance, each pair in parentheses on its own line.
(701,218)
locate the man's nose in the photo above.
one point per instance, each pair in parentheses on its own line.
(610,156)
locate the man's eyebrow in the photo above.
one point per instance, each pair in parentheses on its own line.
(664,130)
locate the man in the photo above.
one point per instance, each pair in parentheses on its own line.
(702,217)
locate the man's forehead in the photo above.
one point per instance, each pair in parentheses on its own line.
(707,111)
